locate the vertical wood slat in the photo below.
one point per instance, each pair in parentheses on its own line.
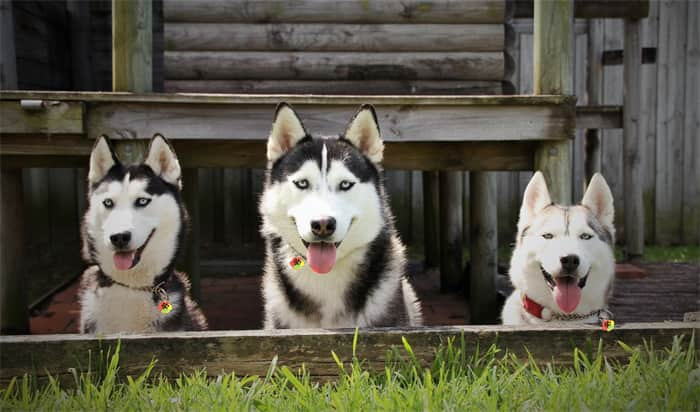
(669,120)
(578,182)
(691,144)
(450,231)
(594,87)
(553,53)
(431,217)
(79,26)
(632,153)
(417,229)
(483,247)
(190,188)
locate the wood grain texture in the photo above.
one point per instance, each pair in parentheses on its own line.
(250,352)
(189,65)
(53,117)
(483,245)
(340,11)
(451,238)
(691,143)
(132,44)
(333,37)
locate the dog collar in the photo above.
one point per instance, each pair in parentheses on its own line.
(546,314)
(158,291)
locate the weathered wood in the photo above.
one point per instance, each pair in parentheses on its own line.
(250,352)
(451,239)
(343,11)
(333,37)
(594,9)
(79,18)
(190,187)
(43,117)
(616,57)
(599,117)
(633,161)
(344,87)
(184,65)
(431,217)
(553,51)
(483,245)
(690,234)
(669,120)
(8,57)
(14,318)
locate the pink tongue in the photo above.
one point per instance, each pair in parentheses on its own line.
(124,260)
(567,294)
(321,256)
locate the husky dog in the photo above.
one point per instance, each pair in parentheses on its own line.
(132,232)
(333,257)
(563,263)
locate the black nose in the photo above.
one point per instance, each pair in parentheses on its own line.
(121,240)
(569,263)
(323,227)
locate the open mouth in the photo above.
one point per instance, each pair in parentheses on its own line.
(321,255)
(566,289)
(125,260)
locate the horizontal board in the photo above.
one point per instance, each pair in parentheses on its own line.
(353,87)
(337,11)
(594,9)
(52,117)
(250,352)
(333,37)
(334,66)
(599,117)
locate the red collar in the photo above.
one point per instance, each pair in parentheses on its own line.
(534,308)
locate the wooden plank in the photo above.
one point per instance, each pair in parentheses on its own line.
(190,188)
(431,217)
(691,144)
(632,157)
(251,65)
(8,57)
(417,210)
(553,54)
(14,318)
(398,186)
(79,26)
(333,37)
(669,121)
(340,11)
(451,240)
(250,352)
(594,89)
(615,57)
(344,87)
(599,117)
(594,9)
(51,117)
(483,245)
(579,84)
(647,126)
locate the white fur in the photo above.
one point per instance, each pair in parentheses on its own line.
(532,250)
(287,130)
(363,132)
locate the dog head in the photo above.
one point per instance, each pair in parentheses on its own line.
(564,254)
(134,222)
(323,194)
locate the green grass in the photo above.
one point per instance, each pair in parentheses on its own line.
(647,380)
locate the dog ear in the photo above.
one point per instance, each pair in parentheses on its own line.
(599,199)
(363,132)
(535,199)
(286,132)
(161,158)
(102,159)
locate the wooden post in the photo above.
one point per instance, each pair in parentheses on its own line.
(431,218)
(553,47)
(632,164)
(190,187)
(483,248)
(450,231)
(595,93)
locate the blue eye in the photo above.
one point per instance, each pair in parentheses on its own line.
(586,236)
(108,203)
(346,185)
(142,202)
(302,184)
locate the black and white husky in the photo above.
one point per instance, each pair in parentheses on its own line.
(563,264)
(333,258)
(132,231)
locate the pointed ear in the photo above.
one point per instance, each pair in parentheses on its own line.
(286,132)
(102,158)
(535,199)
(599,199)
(363,132)
(162,160)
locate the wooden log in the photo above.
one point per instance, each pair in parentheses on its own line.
(633,162)
(450,231)
(690,234)
(251,352)
(14,318)
(483,245)
(334,66)
(190,188)
(553,32)
(594,9)
(342,87)
(342,11)
(431,218)
(334,37)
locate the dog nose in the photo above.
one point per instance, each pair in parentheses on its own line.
(569,263)
(323,227)
(121,240)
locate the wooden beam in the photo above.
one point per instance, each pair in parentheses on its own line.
(483,246)
(615,57)
(253,65)
(599,117)
(41,117)
(594,9)
(334,37)
(451,237)
(553,49)
(250,352)
(339,11)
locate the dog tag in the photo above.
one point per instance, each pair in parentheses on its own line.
(608,325)
(296,263)
(165,307)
